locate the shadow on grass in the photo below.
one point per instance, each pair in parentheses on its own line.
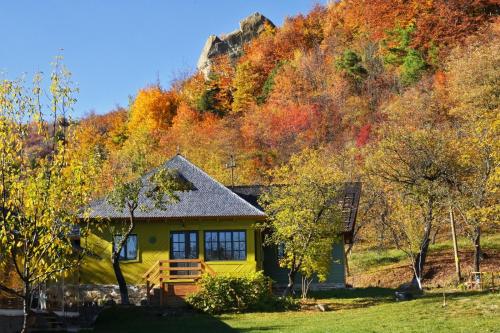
(346,299)
(145,319)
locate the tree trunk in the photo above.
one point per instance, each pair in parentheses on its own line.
(26,308)
(477,249)
(115,258)
(434,236)
(306,284)
(289,290)
(419,262)
(122,284)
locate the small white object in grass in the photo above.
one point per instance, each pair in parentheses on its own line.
(321,307)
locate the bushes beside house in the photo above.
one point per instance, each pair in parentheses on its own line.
(226,293)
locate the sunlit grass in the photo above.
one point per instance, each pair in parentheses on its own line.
(364,310)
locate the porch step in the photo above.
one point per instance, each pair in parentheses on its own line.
(174,294)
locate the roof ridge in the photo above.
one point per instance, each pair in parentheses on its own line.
(218,183)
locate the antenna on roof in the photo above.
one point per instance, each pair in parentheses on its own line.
(231,165)
(178,150)
(158,83)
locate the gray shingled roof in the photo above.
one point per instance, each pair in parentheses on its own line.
(349,199)
(208,198)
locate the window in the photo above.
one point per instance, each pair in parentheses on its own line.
(225,245)
(184,245)
(281,251)
(129,249)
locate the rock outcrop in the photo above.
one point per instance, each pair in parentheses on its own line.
(232,43)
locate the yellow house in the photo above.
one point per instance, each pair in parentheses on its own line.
(211,229)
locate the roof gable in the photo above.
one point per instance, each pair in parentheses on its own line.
(207,198)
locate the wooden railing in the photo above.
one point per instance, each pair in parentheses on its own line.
(175,270)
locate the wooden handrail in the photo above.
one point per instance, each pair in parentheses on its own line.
(160,267)
(207,268)
(149,271)
(162,272)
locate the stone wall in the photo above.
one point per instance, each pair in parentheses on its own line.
(94,294)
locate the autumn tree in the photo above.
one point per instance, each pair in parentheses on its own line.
(154,109)
(304,217)
(42,187)
(246,87)
(414,161)
(473,88)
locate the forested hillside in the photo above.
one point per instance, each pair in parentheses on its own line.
(403,94)
(327,78)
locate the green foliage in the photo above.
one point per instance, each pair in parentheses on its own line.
(413,67)
(207,101)
(224,293)
(399,53)
(268,86)
(351,63)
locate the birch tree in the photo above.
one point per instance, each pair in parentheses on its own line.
(41,186)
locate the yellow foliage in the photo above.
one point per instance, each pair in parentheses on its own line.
(153,109)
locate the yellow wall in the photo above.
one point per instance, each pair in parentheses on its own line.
(97,268)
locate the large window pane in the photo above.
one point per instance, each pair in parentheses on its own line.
(129,249)
(225,245)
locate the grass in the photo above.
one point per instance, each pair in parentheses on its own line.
(363,310)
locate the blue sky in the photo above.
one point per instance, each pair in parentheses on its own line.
(116,47)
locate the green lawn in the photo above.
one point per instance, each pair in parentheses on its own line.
(365,310)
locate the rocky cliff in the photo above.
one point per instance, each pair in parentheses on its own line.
(232,43)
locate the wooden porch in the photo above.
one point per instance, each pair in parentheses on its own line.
(168,282)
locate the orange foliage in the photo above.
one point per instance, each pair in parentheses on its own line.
(292,87)
(438,22)
(283,127)
(154,109)
(108,130)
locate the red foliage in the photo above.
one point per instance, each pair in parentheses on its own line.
(280,127)
(363,135)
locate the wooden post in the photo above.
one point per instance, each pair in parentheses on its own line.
(455,245)
(161,282)
(162,285)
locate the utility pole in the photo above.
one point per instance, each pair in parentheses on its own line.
(231,165)
(455,245)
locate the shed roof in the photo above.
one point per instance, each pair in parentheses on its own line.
(349,200)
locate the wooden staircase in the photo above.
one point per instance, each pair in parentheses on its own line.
(168,282)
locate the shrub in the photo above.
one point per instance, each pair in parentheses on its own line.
(224,293)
